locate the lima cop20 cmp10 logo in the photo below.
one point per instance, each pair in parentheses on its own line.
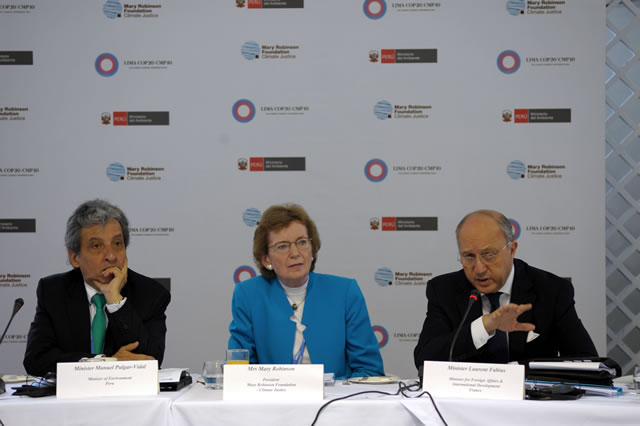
(106,64)
(381,334)
(376,170)
(243,110)
(243,271)
(517,230)
(508,61)
(374,9)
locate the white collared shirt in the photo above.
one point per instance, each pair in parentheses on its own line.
(92,308)
(478,332)
(298,295)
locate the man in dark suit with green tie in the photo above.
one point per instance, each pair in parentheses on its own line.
(100,307)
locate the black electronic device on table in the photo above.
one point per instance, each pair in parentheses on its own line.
(185,380)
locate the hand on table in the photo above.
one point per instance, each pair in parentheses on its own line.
(125,353)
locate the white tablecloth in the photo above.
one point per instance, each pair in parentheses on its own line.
(199,406)
(111,411)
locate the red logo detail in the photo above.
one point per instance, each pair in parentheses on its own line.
(255,4)
(120,118)
(521,116)
(256,164)
(388,56)
(388,223)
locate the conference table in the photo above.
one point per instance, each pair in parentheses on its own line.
(196,405)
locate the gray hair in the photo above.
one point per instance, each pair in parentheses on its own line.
(501,220)
(94,212)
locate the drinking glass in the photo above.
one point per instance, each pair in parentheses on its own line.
(237,356)
(212,374)
(636,378)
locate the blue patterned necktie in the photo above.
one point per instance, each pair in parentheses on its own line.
(497,347)
(99,324)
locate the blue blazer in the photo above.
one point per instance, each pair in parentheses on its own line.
(338,333)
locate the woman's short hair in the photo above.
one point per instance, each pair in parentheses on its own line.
(274,219)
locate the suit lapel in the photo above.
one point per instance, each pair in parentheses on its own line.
(313,314)
(521,293)
(78,312)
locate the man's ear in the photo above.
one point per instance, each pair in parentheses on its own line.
(73,258)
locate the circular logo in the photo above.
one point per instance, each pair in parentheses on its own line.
(250,50)
(508,61)
(516,229)
(381,335)
(112,9)
(106,64)
(384,277)
(516,169)
(243,271)
(515,7)
(251,217)
(374,9)
(115,172)
(375,170)
(383,110)
(244,111)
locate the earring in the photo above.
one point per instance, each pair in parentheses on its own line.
(269,267)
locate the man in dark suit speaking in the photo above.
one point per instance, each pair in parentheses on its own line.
(523,312)
(101,306)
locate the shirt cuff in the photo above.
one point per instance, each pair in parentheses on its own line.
(115,306)
(479,333)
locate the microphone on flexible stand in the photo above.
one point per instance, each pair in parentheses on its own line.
(473,297)
(16,307)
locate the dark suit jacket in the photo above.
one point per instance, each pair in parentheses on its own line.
(553,314)
(61,329)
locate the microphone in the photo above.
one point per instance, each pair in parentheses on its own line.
(473,297)
(16,307)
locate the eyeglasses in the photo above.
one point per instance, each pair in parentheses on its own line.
(283,247)
(486,257)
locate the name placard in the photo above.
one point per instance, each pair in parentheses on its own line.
(473,380)
(115,378)
(273,382)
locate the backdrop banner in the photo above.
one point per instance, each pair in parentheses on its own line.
(387,121)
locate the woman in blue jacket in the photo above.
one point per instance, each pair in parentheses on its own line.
(291,315)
